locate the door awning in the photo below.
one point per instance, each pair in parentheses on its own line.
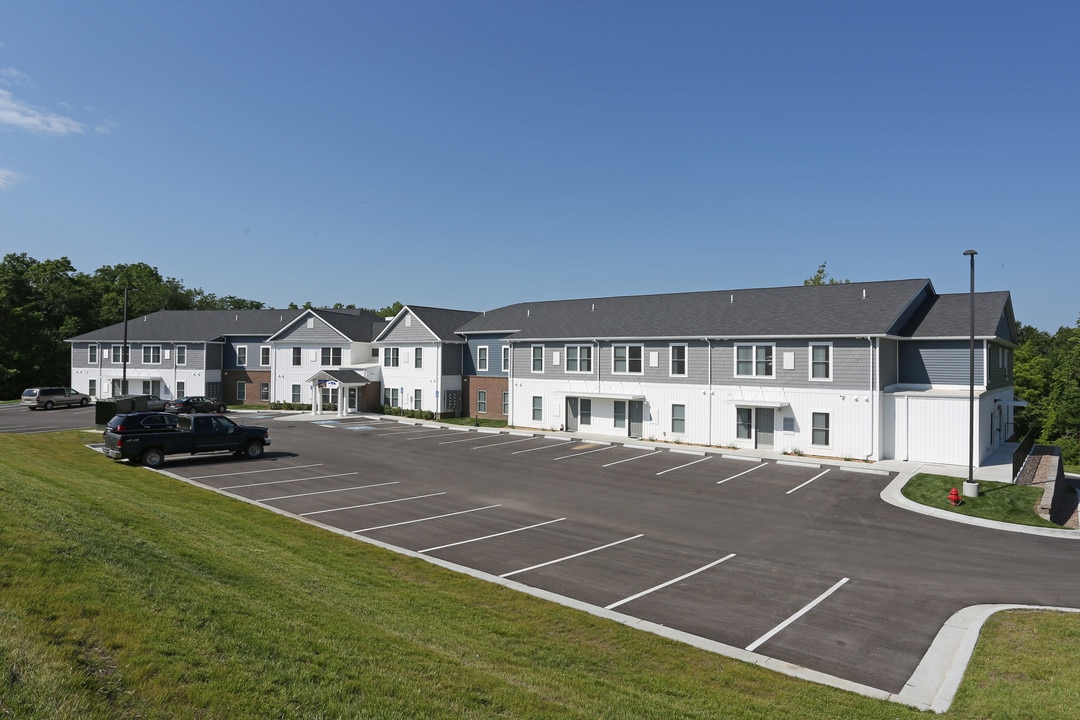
(600,395)
(775,404)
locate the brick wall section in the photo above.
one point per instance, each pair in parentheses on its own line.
(495,387)
(252,377)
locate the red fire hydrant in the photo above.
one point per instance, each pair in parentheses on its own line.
(954,497)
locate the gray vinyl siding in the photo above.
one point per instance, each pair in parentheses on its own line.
(80,355)
(494,344)
(888,362)
(414,334)
(697,362)
(941,362)
(999,376)
(253,345)
(301,333)
(851,364)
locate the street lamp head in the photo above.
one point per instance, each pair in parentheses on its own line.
(970,252)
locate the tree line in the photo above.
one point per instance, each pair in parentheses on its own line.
(42,303)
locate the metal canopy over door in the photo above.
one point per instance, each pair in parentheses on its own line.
(763,428)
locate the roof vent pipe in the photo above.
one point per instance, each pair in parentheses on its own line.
(864,293)
(528,313)
(732,298)
(594,307)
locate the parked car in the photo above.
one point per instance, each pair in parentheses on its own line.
(49,397)
(141,422)
(194,404)
(153,402)
(192,434)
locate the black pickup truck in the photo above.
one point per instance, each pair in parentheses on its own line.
(192,434)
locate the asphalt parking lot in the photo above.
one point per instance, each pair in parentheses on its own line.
(795,562)
(17,419)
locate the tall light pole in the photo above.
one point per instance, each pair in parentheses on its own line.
(971,488)
(124,349)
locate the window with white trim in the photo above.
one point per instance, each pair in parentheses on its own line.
(754,360)
(538,358)
(579,358)
(92,389)
(626,359)
(390,357)
(264,355)
(296,393)
(821,361)
(418,357)
(180,392)
(390,397)
(91,353)
(297,357)
(181,354)
(418,399)
(820,428)
(264,392)
(506,358)
(678,360)
(678,419)
(481,402)
(537,408)
(241,391)
(331,356)
(482,358)
(119,357)
(506,403)
(744,423)
(241,355)
(620,413)
(586,411)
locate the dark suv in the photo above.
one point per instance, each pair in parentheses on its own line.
(194,404)
(141,421)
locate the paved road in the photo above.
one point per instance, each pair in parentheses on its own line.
(806,565)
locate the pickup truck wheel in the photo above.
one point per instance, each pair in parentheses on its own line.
(49,405)
(152,458)
(253,449)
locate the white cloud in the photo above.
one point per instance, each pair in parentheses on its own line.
(8,179)
(105,127)
(26,117)
(11,75)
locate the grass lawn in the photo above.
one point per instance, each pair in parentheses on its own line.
(483,422)
(127,594)
(1004,502)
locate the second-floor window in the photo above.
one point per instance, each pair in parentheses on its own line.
(151,354)
(626,359)
(390,357)
(754,360)
(820,361)
(579,358)
(297,356)
(538,358)
(506,358)
(482,358)
(418,357)
(91,352)
(121,354)
(678,360)
(331,356)
(181,354)
(264,355)
(241,355)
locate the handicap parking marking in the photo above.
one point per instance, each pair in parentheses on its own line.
(805,609)
(662,585)
(571,557)
(354,426)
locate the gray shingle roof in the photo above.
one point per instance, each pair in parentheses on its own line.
(194,325)
(950,316)
(442,321)
(848,309)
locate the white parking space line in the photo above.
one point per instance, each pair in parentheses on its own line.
(506,442)
(571,557)
(282,482)
(425,519)
(764,638)
(680,467)
(449,434)
(425,431)
(371,504)
(806,483)
(488,537)
(643,593)
(585,452)
(756,467)
(252,472)
(324,492)
(476,436)
(636,457)
(559,442)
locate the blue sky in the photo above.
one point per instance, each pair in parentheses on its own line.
(475,154)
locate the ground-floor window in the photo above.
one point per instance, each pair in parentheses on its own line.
(296,393)
(180,392)
(506,403)
(744,422)
(92,390)
(586,411)
(418,396)
(537,408)
(241,392)
(820,424)
(678,419)
(264,392)
(329,396)
(481,401)
(620,413)
(390,397)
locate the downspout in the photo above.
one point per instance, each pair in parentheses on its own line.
(874,429)
(510,384)
(708,389)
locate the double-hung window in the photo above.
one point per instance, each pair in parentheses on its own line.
(537,408)
(820,361)
(390,357)
(264,392)
(481,402)
(151,354)
(538,358)
(579,358)
(297,359)
(586,411)
(754,360)
(295,393)
(744,423)
(506,403)
(820,428)
(241,355)
(264,355)
(482,358)
(678,419)
(506,358)
(331,356)
(91,354)
(181,354)
(241,391)
(418,357)
(418,399)
(678,360)
(121,354)
(626,359)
